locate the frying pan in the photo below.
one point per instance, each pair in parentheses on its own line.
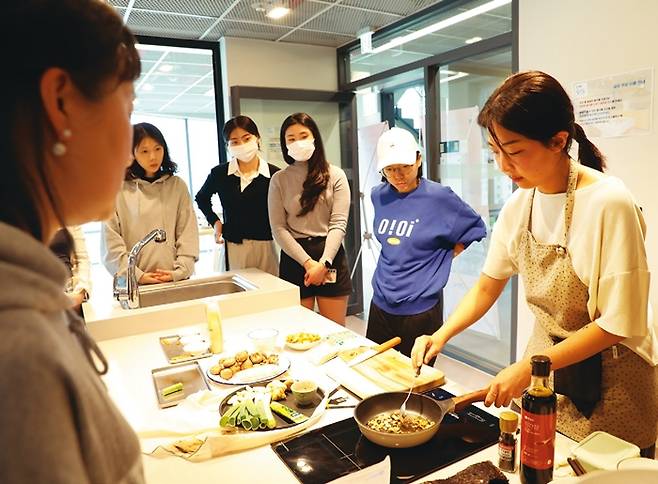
(419,404)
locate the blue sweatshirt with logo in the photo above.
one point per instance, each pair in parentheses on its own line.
(418,231)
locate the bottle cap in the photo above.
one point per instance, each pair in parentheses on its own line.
(541,365)
(508,421)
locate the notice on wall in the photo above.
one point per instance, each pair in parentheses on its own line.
(619,105)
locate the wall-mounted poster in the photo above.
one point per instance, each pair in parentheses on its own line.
(619,105)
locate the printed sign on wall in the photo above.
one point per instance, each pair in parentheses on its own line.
(619,105)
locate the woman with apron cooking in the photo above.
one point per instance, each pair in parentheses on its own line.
(576,237)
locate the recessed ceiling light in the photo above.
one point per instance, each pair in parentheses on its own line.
(258,6)
(473,40)
(147,87)
(166,68)
(277,12)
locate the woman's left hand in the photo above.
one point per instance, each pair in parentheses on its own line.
(164,275)
(315,274)
(509,383)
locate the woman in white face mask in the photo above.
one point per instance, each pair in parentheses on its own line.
(242,185)
(309,203)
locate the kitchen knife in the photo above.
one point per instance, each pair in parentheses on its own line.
(375,351)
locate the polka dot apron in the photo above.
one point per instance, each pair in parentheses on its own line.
(628,407)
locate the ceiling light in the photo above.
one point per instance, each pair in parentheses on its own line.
(450,21)
(166,68)
(147,87)
(277,12)
(473,40)
(258,6)
(459,75)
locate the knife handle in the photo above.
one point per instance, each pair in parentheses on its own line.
(387,345)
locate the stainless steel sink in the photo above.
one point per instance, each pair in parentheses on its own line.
(191,289)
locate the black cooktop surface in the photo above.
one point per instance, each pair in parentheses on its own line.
(339,449)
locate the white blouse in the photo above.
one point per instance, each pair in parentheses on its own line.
(606,245)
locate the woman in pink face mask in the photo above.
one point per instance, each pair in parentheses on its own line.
(242,185)
(309,203)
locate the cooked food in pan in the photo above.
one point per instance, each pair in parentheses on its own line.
(395,423)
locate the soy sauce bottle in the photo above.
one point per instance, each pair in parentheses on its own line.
(538,415)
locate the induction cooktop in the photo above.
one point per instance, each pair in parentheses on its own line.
(339,449)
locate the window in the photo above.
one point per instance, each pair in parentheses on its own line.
(177,93)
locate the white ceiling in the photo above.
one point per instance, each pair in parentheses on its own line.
(179,82)
(319,22)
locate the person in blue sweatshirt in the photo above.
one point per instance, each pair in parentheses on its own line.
(421,225)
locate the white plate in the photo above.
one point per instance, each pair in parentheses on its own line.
(257,374)
(302,346)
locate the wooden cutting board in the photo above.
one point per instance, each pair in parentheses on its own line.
(389,371)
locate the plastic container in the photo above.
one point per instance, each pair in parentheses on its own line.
(264,340)
(602,451)
(214,328)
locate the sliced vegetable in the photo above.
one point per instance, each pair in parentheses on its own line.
(171,389)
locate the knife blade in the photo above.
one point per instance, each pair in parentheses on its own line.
(391,343)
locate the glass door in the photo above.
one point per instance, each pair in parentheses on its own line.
(467,166)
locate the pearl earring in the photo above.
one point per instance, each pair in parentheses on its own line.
(59,148)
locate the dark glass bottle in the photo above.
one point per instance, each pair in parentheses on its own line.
(509,422)
(538,415)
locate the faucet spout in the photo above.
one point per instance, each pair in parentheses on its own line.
(129,295)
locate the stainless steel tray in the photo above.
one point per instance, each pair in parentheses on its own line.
(189,374)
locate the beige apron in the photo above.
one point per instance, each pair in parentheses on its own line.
(558,298)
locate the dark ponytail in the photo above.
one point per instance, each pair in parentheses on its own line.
(535,105)
(588,153)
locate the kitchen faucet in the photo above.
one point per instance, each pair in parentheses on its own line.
(128,293)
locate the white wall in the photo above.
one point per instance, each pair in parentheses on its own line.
(278,64)
(586,39)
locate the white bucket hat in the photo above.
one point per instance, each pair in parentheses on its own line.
(396,147)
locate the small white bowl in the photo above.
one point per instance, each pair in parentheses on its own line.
(196,348)
(264,339)
(638,463)
(187,339)
(304,391)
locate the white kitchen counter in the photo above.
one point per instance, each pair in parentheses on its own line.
(131,359)
(106,319)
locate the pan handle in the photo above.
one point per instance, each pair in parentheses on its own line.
(464,401)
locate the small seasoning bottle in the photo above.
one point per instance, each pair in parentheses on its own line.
(507,441)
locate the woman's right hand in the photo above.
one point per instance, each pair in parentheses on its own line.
(150,278)
(218,232)
(425,348)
